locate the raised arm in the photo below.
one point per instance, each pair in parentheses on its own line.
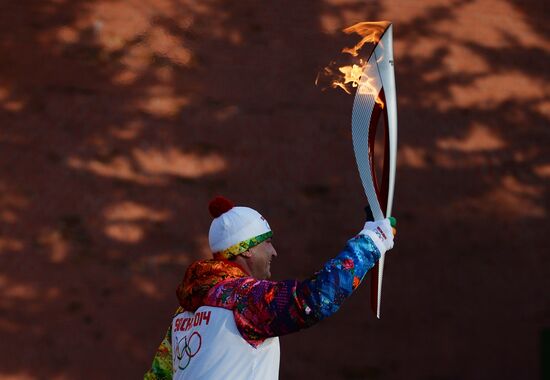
(264,309)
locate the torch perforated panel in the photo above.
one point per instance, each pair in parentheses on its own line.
(363,106)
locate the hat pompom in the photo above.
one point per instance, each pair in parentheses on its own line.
(219,206)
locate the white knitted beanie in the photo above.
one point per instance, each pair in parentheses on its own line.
(234,230)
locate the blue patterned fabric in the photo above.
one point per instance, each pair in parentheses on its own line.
(327,289)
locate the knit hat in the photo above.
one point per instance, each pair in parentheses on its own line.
(235,230)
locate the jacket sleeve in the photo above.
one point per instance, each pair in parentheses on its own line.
(161,368)
(264,309)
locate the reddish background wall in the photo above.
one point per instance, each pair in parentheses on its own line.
(120,120)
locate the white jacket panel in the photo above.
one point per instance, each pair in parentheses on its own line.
(207,345)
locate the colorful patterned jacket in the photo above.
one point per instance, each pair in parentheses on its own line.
(263,308)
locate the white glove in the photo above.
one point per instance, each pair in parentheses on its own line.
(380,233)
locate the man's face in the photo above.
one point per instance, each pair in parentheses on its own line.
(260,260)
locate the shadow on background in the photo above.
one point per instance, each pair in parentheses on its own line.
(120,120)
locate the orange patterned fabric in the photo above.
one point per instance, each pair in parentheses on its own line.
(201,276)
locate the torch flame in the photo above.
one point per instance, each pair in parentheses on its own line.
(350,76)
(371,31)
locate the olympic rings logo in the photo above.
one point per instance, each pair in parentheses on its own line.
(187,348)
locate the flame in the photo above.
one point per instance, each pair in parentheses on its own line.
(371,31)
(351,76)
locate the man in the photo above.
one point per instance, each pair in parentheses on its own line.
(230,314)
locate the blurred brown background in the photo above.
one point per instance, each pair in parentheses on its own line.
(119,120)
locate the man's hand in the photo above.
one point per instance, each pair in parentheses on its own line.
(381,232)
